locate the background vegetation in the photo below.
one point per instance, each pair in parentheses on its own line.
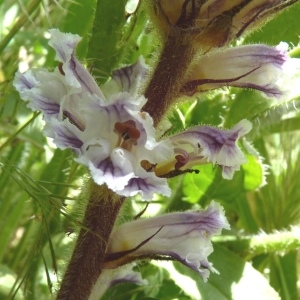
(41,187)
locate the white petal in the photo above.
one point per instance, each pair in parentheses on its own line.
(183,236)
(127,79)
(253,66)
(43,91)
(76,75)
(146,184)
(215,145)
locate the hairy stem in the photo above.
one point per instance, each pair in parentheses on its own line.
(168,77)
(251,246)
(86,262)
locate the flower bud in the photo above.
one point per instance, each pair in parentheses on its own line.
(212,23)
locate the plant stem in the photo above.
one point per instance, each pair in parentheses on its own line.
(168,77)
(251,246)
(86,262)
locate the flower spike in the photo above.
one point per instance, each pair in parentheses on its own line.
(111,135)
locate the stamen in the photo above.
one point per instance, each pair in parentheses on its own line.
(125,136)
(181,161)
(128,134)
(176,173)
(72,120)
(182,158)
(61,71)
(127,130)
(172,167)
(165,168)
(146,165)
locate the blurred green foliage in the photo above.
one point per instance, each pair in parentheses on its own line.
(41,187)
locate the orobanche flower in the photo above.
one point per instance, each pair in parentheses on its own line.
(109,135)
(181,236)
(252,66)
(205,144)
(109,132)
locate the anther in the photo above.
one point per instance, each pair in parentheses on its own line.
(127,130)
(61,71)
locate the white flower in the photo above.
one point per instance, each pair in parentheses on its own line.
(205,144)
(109,135)
(253,66)
(182,236)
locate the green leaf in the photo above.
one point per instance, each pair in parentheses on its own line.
(194,186)
(79,21)
(210,109)
(253,173)
(135,40)
(105,49)
(247,105)
(225,190)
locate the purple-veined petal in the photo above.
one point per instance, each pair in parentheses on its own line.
(43,91)
(65,135)
(146,184)
(289,82)
(183,236)
(120,171)
(122,107)
(204,144)
(115,170)
(126,79)
(153,151)
(117,163)
(252,66)
(76,75)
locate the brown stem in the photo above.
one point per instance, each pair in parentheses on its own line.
(168,77)
(87,258)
